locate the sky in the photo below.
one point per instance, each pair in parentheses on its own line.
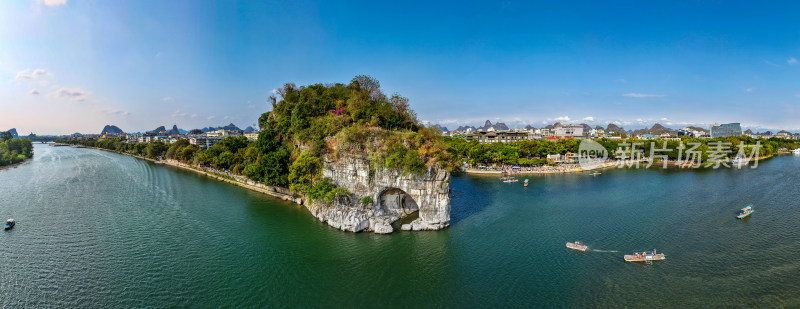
(76,65)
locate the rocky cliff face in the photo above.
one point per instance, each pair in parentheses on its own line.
(394,196)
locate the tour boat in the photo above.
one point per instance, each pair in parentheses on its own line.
(9,224)
(739,162)
(578,246)
(745,212)
(645,257)
(796,151)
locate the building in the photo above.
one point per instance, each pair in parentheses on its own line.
(223,133)
(567,131)
(204,142)
(725,130)
(252,136)
(488,137)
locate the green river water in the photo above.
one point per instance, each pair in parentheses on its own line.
(102,230)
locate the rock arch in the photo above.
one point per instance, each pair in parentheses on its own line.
(429,191)
(396,202)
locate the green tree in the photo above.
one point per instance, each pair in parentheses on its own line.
(303,171)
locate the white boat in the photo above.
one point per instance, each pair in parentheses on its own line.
(578,246)
(796,151)
(9,224)
(739,162)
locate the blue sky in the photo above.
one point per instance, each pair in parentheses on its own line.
(73,65)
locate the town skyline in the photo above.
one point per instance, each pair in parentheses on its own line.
(627,126)
(74,66)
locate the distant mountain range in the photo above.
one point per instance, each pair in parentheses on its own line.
(497,126)
(173,131)
(230,127)
(159,129)
(486,125)
(656,129)
(13,132)
(111,130)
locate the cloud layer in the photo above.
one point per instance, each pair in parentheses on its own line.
(642,95)
(111,111)
(28,75)
(54,2)
(74,95)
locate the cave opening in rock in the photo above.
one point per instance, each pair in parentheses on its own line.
(398,203)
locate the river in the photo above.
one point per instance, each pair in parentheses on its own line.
(102,230)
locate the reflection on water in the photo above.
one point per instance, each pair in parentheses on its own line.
(96,229)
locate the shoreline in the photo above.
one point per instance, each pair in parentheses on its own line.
(578,170)
(15,165)
(220,176)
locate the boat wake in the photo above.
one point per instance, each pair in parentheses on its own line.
(598,250)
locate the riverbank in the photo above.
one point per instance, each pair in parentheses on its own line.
(15,164)
(544,170)
(278,192)
(550,170)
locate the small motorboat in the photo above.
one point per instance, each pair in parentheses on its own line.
(648,257)
(745,212)
(9,224)
(577,246)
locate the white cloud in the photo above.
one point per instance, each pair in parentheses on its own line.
(226,117)
(54,2)
(34,92)
(28,75)
(770,63)
(642,95)
(664,119)
(179,113)
(111,111)
(792,61)
(167,99)
(193,116)
(211,117)
(274,91)
(590,118)
(559,119)
(74,95)
(749,90)
(448,121)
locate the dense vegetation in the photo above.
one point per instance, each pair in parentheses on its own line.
(14,150)
(308,124)
(315,121)
(531,153)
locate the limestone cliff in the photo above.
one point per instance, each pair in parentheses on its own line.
(394,196)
